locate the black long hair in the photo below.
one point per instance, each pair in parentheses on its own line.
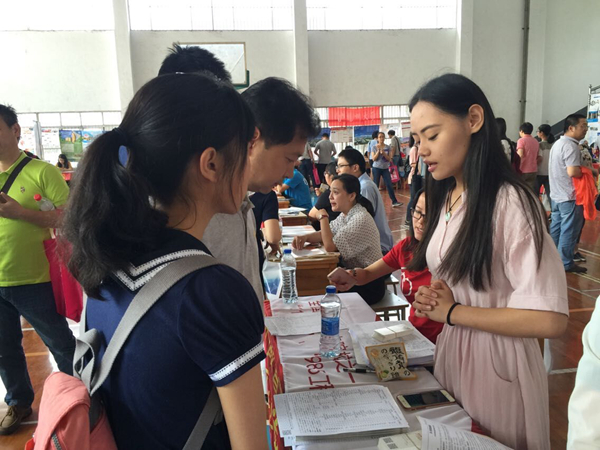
(413,242)
(64,165)
(485,170)
(546,130)
(112,215)
(352,186)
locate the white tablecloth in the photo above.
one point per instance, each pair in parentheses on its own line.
(304,369)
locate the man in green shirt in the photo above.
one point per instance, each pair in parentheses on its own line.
(25,288)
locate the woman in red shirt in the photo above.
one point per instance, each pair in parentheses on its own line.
(397,259)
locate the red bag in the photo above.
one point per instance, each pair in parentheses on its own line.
(316,175)
(68,294)
(394,173)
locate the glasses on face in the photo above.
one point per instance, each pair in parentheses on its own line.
(339,166)
(417,215)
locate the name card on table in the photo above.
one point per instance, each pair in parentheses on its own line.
(390,361)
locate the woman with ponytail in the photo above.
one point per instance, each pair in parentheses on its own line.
(142,197)
(353,234)
(498,282)
(546,141)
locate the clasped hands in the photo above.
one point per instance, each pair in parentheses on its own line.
(434,301)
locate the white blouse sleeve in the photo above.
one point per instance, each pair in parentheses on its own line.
(350,239)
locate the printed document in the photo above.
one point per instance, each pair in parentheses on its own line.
(324,412)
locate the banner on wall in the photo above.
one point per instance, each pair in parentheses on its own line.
(50,139)
(593,133)
(342,135)
(405,125)
(87,137)
(27,141)
(71,144)
(364,135)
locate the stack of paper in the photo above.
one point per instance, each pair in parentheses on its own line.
(308,253)
(291,211)
(288,233)
(420,349)
(297,324)
(297,230)
(340,412)
(388,334)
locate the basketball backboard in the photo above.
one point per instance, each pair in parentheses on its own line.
(233,55)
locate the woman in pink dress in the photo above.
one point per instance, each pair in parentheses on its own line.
(498,282)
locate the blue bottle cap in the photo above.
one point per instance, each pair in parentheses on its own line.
(287,250)
(330,289)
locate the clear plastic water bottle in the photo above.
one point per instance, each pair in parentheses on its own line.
(331,307)
(289,292)
(43,203)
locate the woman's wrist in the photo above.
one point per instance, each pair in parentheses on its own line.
(449,315)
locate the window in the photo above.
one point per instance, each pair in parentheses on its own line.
(324,116)
(395,113)
(50,123)
(57,15)
(211,14)
(380,14)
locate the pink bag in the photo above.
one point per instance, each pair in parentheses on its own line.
(66,407)
(394,173)
(316,175)
(68,294)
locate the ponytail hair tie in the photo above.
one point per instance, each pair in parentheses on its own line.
(124,138)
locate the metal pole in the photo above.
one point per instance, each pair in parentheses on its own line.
(523,101)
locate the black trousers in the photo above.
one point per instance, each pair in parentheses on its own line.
(371,292)
(306,169)
(416,185)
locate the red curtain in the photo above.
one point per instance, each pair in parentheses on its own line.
(347,117)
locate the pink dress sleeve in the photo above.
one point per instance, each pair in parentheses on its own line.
(543,288)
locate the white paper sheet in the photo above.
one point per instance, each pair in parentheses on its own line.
(308,252)
(291,211)
(408,441)
(338,411)
(420,349)
(298,230)
(437,436)
(297,324)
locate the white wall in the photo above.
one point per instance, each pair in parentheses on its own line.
(497,56)
(356,68)
(572,56)
(59,71)
(268,53)
(78,71)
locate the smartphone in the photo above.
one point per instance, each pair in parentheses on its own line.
(341,277)
(425,399)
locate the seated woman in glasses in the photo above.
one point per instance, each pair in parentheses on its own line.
(397,259)
(353,234)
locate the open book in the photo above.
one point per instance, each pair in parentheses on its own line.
(435,435)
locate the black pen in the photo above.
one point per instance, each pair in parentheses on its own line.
(355,370)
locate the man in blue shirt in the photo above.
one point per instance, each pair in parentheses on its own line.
(350,161)
(296,188)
